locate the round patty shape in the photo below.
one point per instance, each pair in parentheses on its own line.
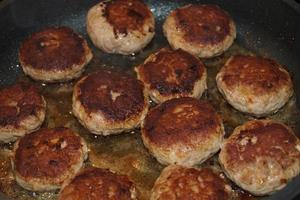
(170,74)
(120,26)
(261,156)
(108,102)
(98,184)
(22,111)
(255,85)
(182,183)
(54,54)
(183,131)
(202,30)
(45,159)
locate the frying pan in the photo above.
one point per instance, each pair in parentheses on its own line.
(270,28)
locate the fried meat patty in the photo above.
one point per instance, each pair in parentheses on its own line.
(22,111)
(108,102)
(54,54)
(120,26)
(45,159)
(183,131)
(182,183)
(202,30)
(98,184)
(171,74)
(255,85)
(261,156)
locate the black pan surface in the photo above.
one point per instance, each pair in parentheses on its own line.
(270,28)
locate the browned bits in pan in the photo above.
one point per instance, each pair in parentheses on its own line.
(126,27)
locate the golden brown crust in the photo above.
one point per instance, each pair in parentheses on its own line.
(183,131)
(18,102)
(120,26)
(261,156)
(203,24)
(47,154)
(95,184)
(262,75)
(53,49)
(180,183)
(116,95)
(183,120)
(255,85)
(263,138)
(171,72)
(127,15)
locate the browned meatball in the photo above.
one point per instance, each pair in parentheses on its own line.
(183,131)
(45,159)
(108,102)
(98,184)
(171,74)
(54,54)
(255,85)
(261,156)
(120,26)
(22,111)
(202,30)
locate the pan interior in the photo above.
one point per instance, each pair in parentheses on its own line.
(125,153)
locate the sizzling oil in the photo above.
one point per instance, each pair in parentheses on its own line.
(125,153)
